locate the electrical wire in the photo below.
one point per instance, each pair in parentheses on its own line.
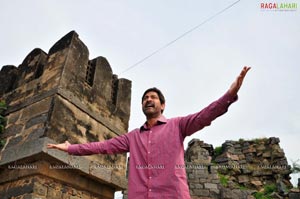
(179,37)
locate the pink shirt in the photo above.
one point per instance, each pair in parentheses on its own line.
(156,167)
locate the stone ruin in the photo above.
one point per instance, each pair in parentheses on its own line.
(238,169)
(53,97)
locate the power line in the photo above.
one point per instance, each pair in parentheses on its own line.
(179,37)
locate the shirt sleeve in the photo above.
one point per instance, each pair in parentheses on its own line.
(115,145)
(195,122)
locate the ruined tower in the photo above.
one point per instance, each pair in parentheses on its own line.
(53,97)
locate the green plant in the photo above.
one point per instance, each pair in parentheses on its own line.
(266,193)
(269,188)
(223,180)
(218,151)
(260,195)
(242,187)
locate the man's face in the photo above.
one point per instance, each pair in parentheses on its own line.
(151,105)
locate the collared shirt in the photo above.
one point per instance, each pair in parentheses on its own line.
(156,166)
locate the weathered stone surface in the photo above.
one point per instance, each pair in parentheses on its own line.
(201,192)
(64,96)
(256,183)
(210,186)
(16,188)
(32,67)
(243,178)
(294,195)
(12,130)
(240,166)
(274,140)
(40,189)
(8,77)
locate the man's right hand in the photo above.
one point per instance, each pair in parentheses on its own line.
(62,146)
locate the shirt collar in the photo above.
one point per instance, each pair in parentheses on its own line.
(161,120)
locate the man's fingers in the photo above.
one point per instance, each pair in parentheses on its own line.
(239,81)
(51,146)
(243,74)
(245,70)
(63,146)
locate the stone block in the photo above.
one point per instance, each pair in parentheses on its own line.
(40,189)
(200,171)
(85,196)
(191,176)
(266,154)
(234,157)
(243,178)
(12,118)
(199,186)
(201,192)
(53,193)
(214,193)
(23,150)
(210,186)
(214,176)
(216,181)
(39,119)
(278,154)
(36,133)
(35,110)
(260,148)
(12,130)
(262,173)
(256,183)
(202,180)
(249,150)
(274,140)
(14,141)
(17,190)
(294,195)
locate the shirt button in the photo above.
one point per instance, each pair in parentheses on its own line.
(150,131)
(150,177)
(148,151)
(149,142)
(150,190)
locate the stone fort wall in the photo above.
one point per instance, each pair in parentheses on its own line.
(53,97)
(237,169)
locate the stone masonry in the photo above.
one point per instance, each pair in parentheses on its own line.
(53,97)
(241,169)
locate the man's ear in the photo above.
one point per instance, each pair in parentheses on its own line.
(163,107)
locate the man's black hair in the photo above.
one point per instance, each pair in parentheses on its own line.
(159,93)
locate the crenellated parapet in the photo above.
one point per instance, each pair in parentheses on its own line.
(62,95)
(67,68)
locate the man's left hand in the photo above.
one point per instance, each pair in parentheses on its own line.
(236,85)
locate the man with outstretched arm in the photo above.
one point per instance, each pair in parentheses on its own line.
(156,148)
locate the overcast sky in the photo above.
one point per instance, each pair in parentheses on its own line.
(193,71)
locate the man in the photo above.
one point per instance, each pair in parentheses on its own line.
(156,148)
